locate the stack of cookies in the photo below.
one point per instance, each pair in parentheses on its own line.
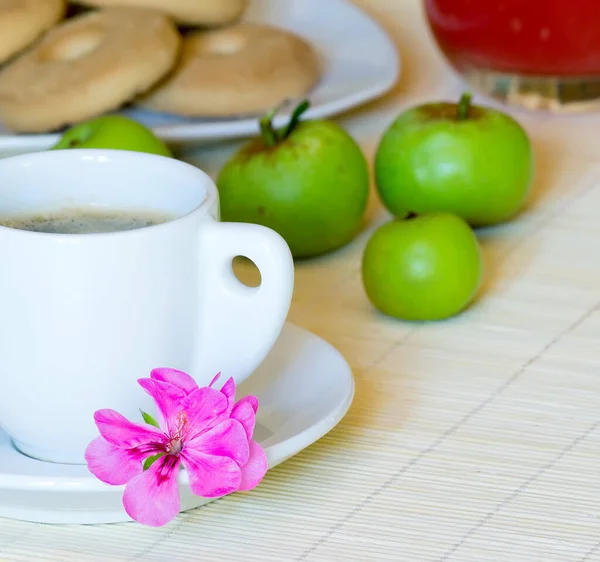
(63,64)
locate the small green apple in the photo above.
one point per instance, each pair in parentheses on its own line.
(472,161)
(426,267)
(113,132)
(308,181)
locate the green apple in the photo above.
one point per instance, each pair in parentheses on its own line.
(113,132)
(308,181)
(475,162)
(426,267)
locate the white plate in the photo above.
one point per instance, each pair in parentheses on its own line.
(360,61)
(304,387)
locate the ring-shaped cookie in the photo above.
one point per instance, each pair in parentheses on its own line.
(23,21)
(184,12)
(242,69)
(86,66)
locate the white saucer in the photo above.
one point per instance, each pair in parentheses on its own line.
(360,64)
(304,387)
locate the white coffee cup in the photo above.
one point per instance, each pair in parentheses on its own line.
(83,316)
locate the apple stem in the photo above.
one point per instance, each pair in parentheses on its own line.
(268,133)
(463,106)
(295,119)
(410,215)
(269,136)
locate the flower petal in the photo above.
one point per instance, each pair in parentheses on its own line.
(255,469)
(168,397)
(215,379)
(111,464)
(152,498)
(181,380)
(204,408)
(122,433)
(245,414)
(252,400)
(211,477)
(228,439)
(228,389)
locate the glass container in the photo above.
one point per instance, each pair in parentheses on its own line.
(539,54)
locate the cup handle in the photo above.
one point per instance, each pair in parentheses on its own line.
(242,323)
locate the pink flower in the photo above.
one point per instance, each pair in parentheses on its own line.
(203,429)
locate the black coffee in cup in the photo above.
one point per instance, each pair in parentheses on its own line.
(84,220)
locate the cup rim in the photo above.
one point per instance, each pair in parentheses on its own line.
(99,154)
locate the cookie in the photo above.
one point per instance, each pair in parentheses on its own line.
(245,68)
(184,12)
(23,21)
(86,66)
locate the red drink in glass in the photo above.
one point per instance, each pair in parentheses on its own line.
(536,53)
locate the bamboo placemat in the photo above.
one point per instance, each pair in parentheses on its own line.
(471,440)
